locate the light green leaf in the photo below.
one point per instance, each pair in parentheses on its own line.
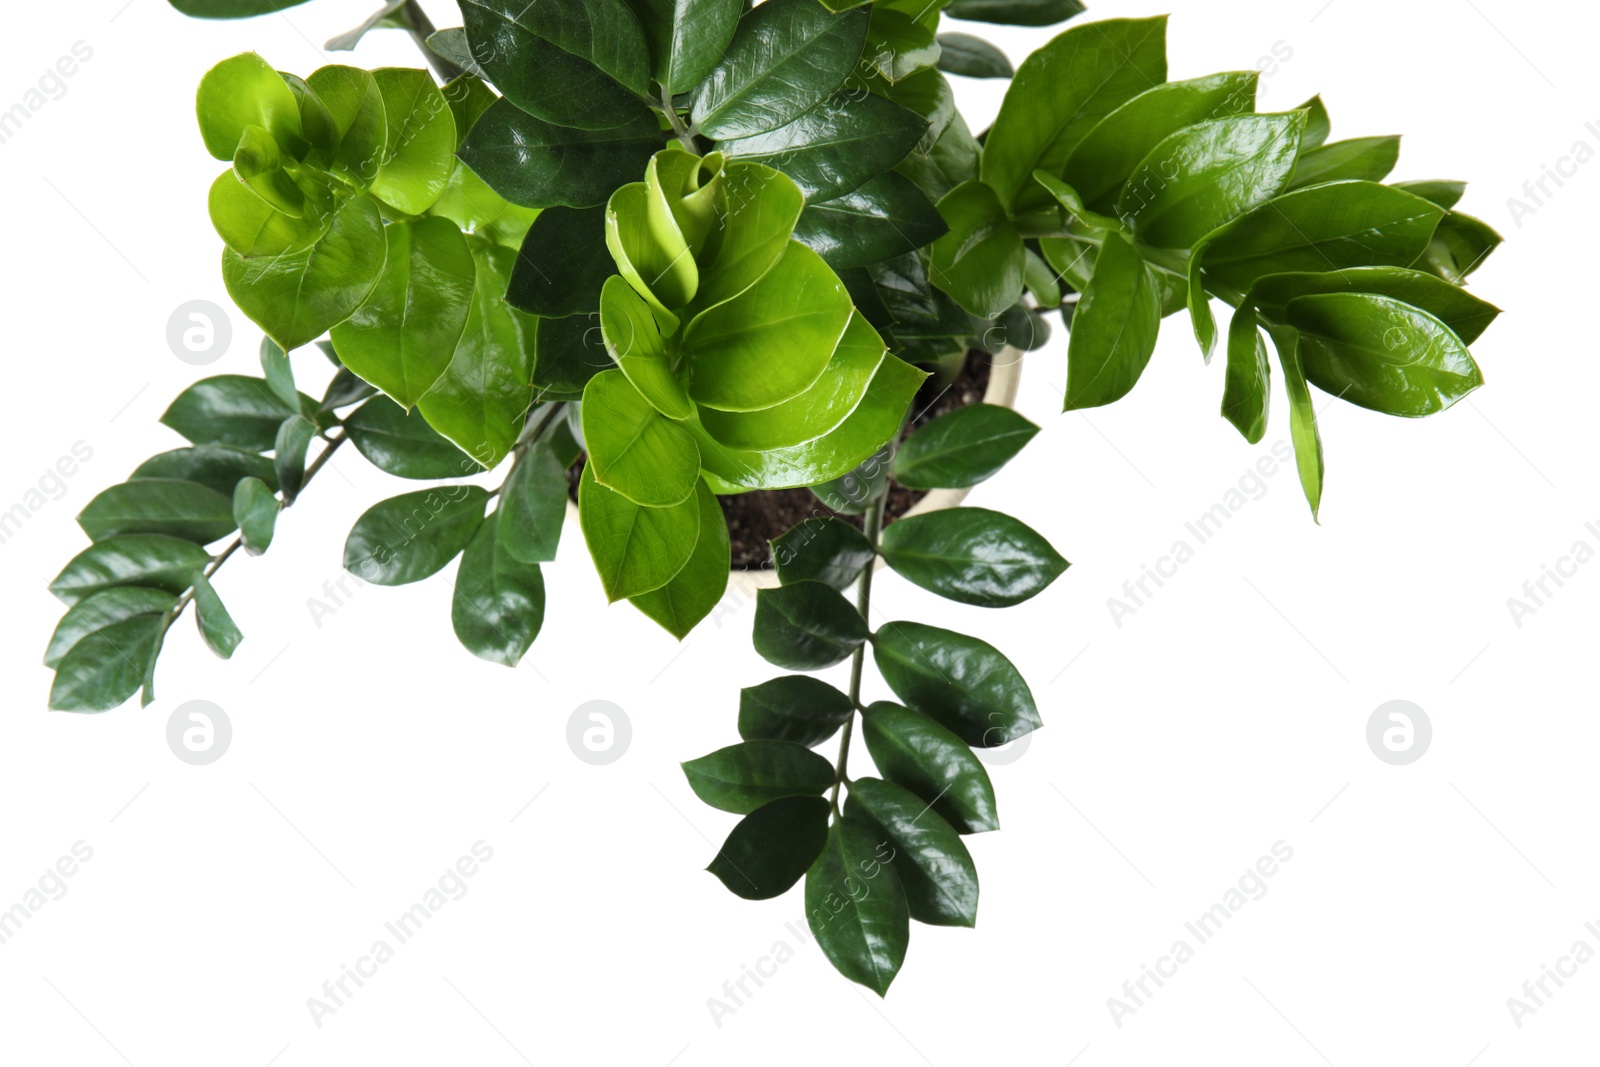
(1114,328)
(763,206)
(633,337)
(696,589)
(241,92)
(634,450)
(1302,417)
(980,261)
(635,549)
(1248,391)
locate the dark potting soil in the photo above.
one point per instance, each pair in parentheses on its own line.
(755,518)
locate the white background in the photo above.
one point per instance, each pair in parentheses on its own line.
(1229,713)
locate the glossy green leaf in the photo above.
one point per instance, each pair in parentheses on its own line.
(940,879)
(887,217)
(1465,314)
(231,9)
(772,847)
(962,448)
(743,777)
(404,444)
(1060,93)
(806,626)
(1114,329)
(1318,125)
(533,506)
(402,338)
(1109,153)
(1379,353)
(633,337)
(1320,228)
(153,561)
(562,264)
(217,628)
(763,206)
(972,555)
(837,146)
(1209,174)
(696,589)
(635,549)
(255,511)
(498,605)
(577,64)
(487,387)
(633,448)
(1364,158)
(106,667)
(795,708)
(540,164)
(216,467)
(819,549)
(972,57)
(1073,204)
(1446,194)
(952,159)
(856,906)
(916,753)
(961,682)
(687,37)
(1459,247)
(774,340)
(231,410)
(159,506)
(570,352)
(415,535)
(252,227)
(786,57)
(657,264)
(279,374)
(1302,417)
(1015,12)
(289,453)
(980,261)
(1248,390)
(359,117)
(241,92)
(104,609)
(897,45)
(926,93)
(298,296)
(418,152)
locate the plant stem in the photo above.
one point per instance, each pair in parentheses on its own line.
(858,662)
(421,28)
(679,130)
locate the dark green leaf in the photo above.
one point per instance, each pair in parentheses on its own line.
(1459,247)
(499,602)
(786,57)
(409,537)
(533,506)
(940,880)
(972,555)
(856,906)
(1302,417)
(772,847)
(159,506)
(289,455)
(563,263)
(404,444)
(1465,314)
(796,707)
(344,389)
(961,448)
(232,9)
(229,409)
(255,510)
(452,45)
(570,352)
(1446,194)
(1248,390)
(216,467)
(217,627)
(742,777)
(897,45)
(806,626)
(972,57)
(279,374)
(108,608)
(1318,125)
(696,589)
(538,164)
(887,217)
(635,549)
(822,550)
(152,560)
(687,37)
(979,262)
(1015,12)
(106,667)
(961,682)
(918,754)
(1365,158)
(1114,329)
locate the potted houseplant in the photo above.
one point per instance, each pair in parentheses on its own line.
(697,267)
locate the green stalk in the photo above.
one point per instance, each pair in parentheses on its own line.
(874,528)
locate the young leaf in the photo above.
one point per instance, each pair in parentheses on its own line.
(797,708)
(1114,329)
(918,754)
(1302,417)
(695,590)
(1248,390)
(217,627)
(743,777)
(159,506)
(940,879)
(772,847)
(856,906)
(153,560)
(635,549)
(255,510)
(806,626)
(633,337)
(498,606)
(962,447)
(824,550)
(241,92)
(409,537)
(979,262)
(633,448)
(419,147)
(972,556)
(763,206)
(961,682)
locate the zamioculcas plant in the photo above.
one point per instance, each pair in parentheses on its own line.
(681,255)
